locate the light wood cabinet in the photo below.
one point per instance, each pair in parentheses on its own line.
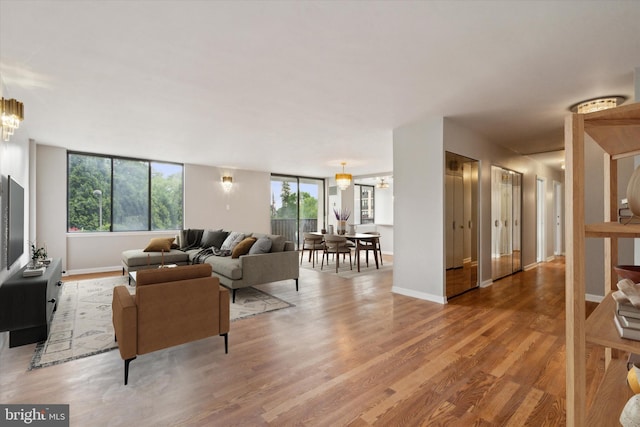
(617,131)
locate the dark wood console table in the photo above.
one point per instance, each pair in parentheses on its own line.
(27,304)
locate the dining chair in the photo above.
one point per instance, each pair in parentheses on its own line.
(311,243)
(371,245)
(337,245)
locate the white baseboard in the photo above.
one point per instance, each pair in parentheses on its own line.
(94,270)
(420,295)
(551,258)
(486,283)
(531,266)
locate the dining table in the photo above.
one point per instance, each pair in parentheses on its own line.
(357,237)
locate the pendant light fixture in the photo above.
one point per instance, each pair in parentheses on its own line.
(343,180)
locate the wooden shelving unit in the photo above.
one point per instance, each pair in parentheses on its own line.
(617,131)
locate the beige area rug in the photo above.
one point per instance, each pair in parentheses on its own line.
(344,271)
(82,326)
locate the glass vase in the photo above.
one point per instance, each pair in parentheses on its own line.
(342,227)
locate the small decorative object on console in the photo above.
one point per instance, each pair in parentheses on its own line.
(33,272)
(38,255)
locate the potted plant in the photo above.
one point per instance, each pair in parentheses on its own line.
(38,255)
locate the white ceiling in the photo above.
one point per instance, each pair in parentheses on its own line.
(298,87)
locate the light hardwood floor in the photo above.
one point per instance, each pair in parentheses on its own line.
(349,353)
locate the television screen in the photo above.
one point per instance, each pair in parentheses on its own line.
(15,229)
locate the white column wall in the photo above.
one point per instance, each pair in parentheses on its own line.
(418,165)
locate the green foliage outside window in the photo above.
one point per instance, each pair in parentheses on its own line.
(98,184)
(166,196)
(86,176)
(308,204)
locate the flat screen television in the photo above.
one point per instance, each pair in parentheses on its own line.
(15,220)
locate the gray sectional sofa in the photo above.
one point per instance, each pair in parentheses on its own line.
(269,258)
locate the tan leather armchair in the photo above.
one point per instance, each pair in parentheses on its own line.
(172,306)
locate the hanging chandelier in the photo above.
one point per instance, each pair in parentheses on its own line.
(11,114)
(343,180)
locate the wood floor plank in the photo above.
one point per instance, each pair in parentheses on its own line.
(350,352)
(500,402)
(410,383)
(526,408)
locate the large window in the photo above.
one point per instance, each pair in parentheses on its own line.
(119,194)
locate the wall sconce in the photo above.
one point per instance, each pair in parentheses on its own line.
(11,114)
(227,183)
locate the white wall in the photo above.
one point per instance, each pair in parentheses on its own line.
(51,202)
(245,208)
(418,175)
(384,217)
(14,161)
(384,205)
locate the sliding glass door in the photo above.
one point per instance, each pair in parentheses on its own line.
(297,206)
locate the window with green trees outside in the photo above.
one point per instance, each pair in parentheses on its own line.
(107,193)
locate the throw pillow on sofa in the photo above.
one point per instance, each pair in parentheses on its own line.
(243,247)
(189,238)
(232,240)
(277,242)
(213,238)
(261,246)
(159,244)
